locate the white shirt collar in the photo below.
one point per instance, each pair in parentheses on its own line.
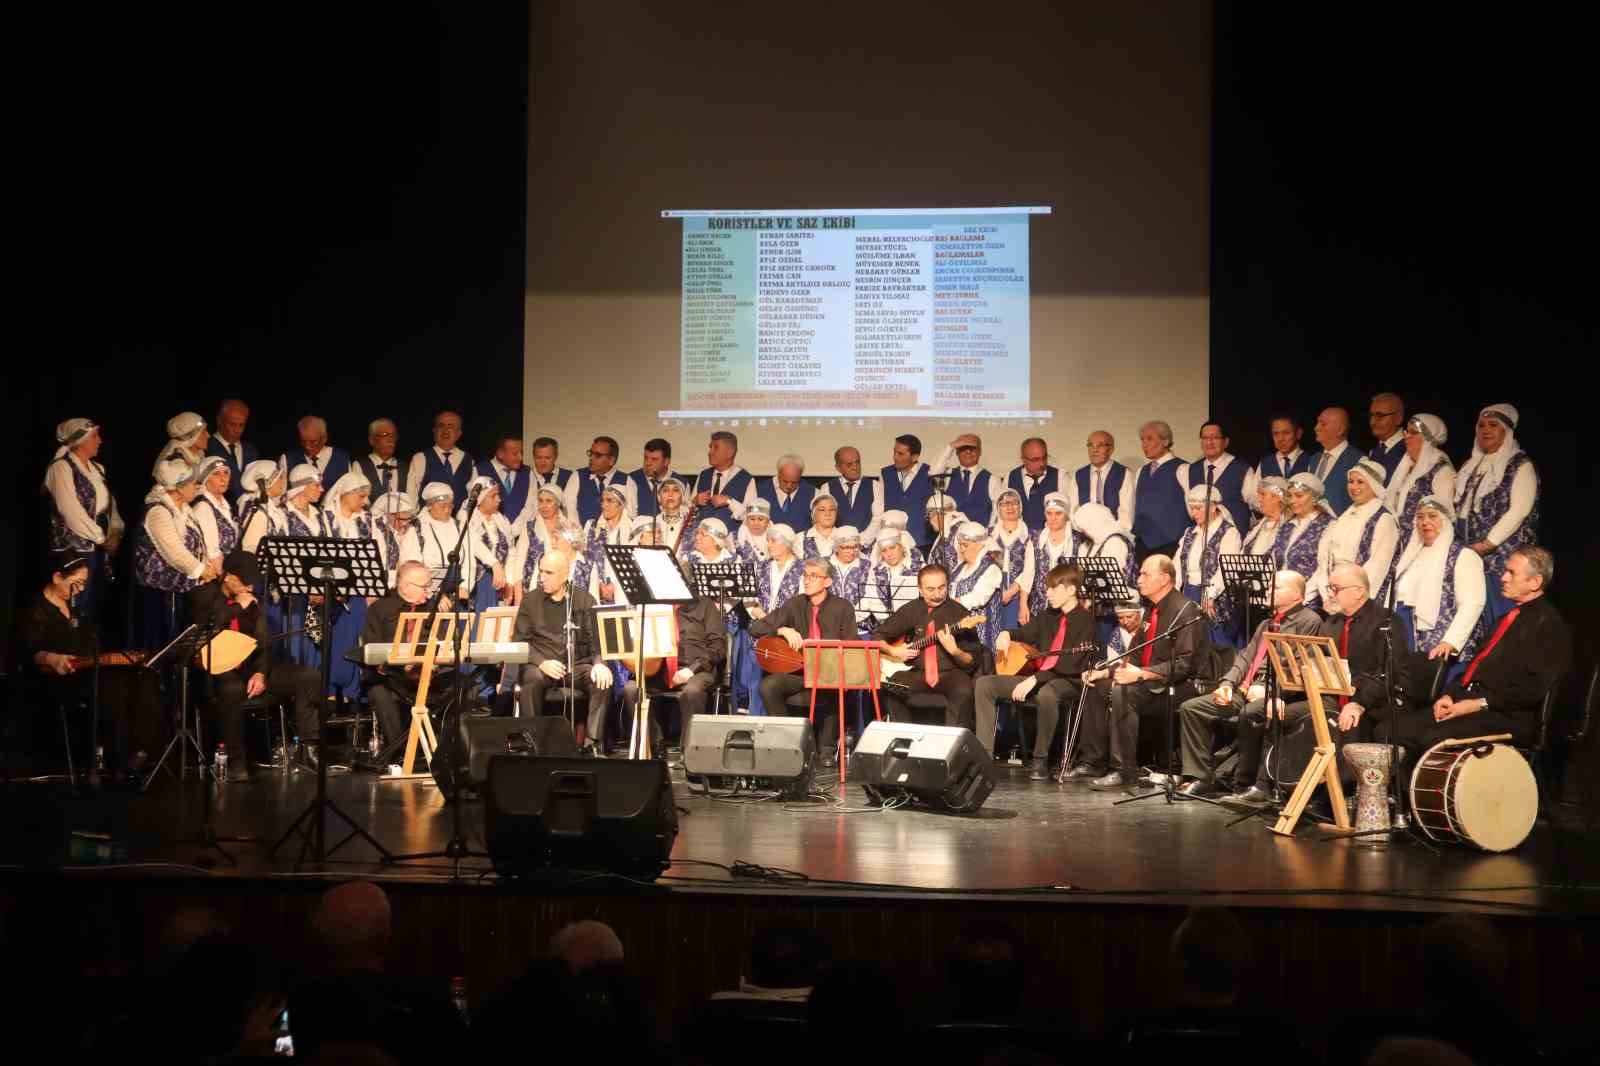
(1159,461)
(1394,438)
(1337,450)
(379,462)
(1220,462)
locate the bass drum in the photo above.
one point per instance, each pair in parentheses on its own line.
(1477,793)
(1287,760)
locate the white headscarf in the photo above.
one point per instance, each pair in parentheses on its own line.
(69,433)
(994,525)
(354,481)
(1373,472)
(1420,575)
(1095,521)
(757,543)
(1433,433)
(1492,467)
(391,503)
(170,474)
(185,428)
(1306,481)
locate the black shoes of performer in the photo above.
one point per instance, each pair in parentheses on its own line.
(1111,782)
(1082,772)
(1252,795)
(828,759)
(308,755)
(1036,770)
(1202,789)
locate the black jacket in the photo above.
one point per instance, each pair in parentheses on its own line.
(1180,649)
(1041,633)
(911,621)
(1532,655)
(702,639)
(1366,655)
(836,618)
(209,606)
(546,643)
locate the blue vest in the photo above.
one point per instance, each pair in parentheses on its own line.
(1301,556)
(1110,488)
(338,464)
(733,488)
(1033,502)
(1229,485)
(646,496)
(1364,552)
(1338,493)
(913,501)
(1159,513)
(1268,466)
(512,502)
(974,502)
(1476,516)
(798,514)
(859,513)
(434,470)
(589,493)
(1389,458)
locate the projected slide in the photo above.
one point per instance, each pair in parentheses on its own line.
(887,313)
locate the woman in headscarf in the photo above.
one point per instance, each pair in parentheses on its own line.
(1198,560)
(944,520)
(1053,544)
(84,522)
(674,515)
(1302,544)
(975,583)
(437,535)
(187,438)
(1365,534)
(1497,498)
(900,522)
(1272,495)
(393,522)
(168,555)
(1016,558)
(1424,470)
(304,517)
(818,540)
(1102,534)
(850,570)
(1439,586)
(752,542)
(212,510)
(613,526)
(262,486)
(711,542)
(541,526)
(348,519)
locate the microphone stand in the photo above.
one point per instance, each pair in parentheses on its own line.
(1168,791)
(92,776)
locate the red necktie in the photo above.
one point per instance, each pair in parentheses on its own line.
(930,658)
(1055,645)
(1499,631)
(1150,635)
(672,660)
(1261,652)
(816,625)
(1344,653)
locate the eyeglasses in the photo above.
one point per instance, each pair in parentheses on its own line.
(598,455)
(1336,589)
(966,447)
(1381,414)
(814,577)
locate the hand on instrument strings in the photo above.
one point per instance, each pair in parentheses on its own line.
(1091,676)
(1350,716)
(1128,674)
(1024,687)
(55,664)
(902,653)
(255,686)
(554,669)
(600,674)
(683,676)
(947,641)
(1441,650)
(791,637)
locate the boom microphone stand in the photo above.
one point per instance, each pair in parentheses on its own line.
(1168,790)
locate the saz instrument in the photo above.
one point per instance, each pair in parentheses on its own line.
(890,667)
(1022,659)
(110,658)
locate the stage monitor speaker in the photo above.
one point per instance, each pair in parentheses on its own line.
(483,736)
(774,753)
(942,767)
(547,816)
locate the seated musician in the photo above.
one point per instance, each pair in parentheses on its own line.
(1239,692)
(814,613)
(541,622)
(1065,634)
(58,641)
(230,604)
(1504,685)
(394,689)
(946,665)
(1358,630)
(691,674)
(1135,689)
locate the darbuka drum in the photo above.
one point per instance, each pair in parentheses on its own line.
(1475,792)
(1371,764)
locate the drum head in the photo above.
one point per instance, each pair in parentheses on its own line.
(1496,798)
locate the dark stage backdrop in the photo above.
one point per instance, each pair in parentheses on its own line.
(324,211)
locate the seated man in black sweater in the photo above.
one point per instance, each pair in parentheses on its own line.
(541,622)
(1065,635)
(229,604)
(945,666)
(691,674)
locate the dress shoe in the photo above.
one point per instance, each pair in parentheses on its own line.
(1203,789)
(1111,782)
(1082,772)
(1036,770)
(828,759)
(1252,796)
(308,756)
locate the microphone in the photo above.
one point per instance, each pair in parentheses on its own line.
(472,498)
(72,608)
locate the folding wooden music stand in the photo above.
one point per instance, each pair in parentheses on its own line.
(1312,665)
(620,641)
(842,665)
(407,638)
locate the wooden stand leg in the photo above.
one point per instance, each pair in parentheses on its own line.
(1307,784)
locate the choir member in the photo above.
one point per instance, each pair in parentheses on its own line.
(347,518)
(1439,585)
(1159,513)
(506,468)
(817,543)
(228,443)
(1210,536)
(1386,417)
(892,581)
(973,488)
(212,510)
(898,522)
(1366,533)
(779,579)
(1016,558)
(751,545)
(1271,504)
(1285,461)
(1497,498)
(906,482)
(602,473)
(1423,470)
(437,535)
(330,463)
(486,558)
(860,503)
(712,544)
(1222,470)
(645,482)
(394,517)
(613,526)
(168,554)
(1101,534)
(261,507)
(1051,546)
(380,466)
(720,489)
(850,569)
(1332,464)
(302,511)
(787,496)
(1102,480)
(1302,544)
(443,462)
(976,581)
(1034,479)
(538,528)
(84,521)
(187,439)
(548,472)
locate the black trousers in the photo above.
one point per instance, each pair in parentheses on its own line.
(285,681)
(1050,699)
(692,697)
(534,685)
(954,685)
(1417,731)
(777,688)
(1114,719)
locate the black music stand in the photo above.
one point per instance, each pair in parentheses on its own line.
(648,574)
(1250,581)
(180,652)
(329,566)
(728,584)
(1103,580)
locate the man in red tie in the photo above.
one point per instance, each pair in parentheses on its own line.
(1505,683)
(1065,635)
(945,665)
(1238,692)
(1131,701)
(813,613)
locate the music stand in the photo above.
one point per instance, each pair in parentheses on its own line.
(1103,581)
(649,575)
(727,584)
(180,652)
(326,566)
(842,665)
(1250,580)
(1312,665)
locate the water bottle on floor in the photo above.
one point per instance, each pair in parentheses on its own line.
(458,999)
(219,764)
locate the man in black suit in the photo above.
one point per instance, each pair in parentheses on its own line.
(691,674)
(814,613)
(229,604)
(1359,630)
(229,443)
(1133,698)
(1505,683)
(541,622)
